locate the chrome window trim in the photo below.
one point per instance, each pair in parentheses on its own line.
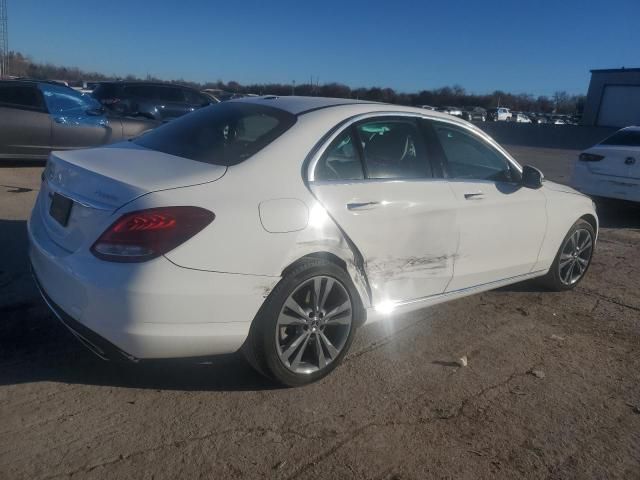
(344,125)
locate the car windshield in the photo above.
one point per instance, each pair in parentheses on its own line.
(65,100)
(222,134)
(624,138)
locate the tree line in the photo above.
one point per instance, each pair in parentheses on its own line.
(560,102)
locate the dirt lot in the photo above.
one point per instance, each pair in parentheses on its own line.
(398,408)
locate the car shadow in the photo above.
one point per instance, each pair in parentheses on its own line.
(618,213)
(35,347)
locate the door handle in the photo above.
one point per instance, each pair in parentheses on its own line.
(473,196)
(361,205)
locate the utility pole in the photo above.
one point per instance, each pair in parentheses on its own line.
(4,40)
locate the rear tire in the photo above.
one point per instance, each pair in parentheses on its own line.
(573,258)
(306,325)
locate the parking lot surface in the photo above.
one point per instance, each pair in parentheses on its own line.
(551,390)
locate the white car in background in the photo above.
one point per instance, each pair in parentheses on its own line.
(521,118)
(500,114)
(455,111)
(611,169)
(280,225)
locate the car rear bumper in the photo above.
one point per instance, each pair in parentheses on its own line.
(621,188)
(147,310)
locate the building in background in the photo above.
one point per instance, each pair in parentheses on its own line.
(613,99)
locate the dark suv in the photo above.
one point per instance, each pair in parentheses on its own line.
(160,101)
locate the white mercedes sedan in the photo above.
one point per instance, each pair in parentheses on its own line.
(278,226)
(611,169)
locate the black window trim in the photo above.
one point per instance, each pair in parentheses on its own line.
(16,106)
(317,152)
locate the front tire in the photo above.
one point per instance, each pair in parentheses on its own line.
(573,258)
(306,325)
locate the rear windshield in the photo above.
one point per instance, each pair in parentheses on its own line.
(626,138)
(222,134)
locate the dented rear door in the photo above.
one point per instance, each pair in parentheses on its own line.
(405,230)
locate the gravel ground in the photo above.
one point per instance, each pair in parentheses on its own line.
(552,388)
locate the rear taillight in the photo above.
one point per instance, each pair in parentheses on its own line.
(590,157)
(146,234)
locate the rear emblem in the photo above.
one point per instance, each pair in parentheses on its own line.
(629,161)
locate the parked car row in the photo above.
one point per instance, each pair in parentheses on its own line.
(37,117)
(504,114)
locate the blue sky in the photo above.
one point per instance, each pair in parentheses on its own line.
(532,46)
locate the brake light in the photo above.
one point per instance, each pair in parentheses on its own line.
(590,157)
(146,234)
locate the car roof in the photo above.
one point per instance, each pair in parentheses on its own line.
(144,83)
(338,109)
(299,105)
(32,81)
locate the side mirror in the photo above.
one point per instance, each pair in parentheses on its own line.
(531,177)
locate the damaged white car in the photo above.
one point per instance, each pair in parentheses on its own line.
(280,225)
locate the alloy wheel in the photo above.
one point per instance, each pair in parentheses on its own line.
(575,256)
(314,325)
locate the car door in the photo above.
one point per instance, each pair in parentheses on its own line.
(25,126)
(376,181)
(501,223)
(77,120)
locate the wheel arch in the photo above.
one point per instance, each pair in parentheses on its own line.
(591,219)
(348,265)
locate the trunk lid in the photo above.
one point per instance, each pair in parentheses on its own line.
(616,162)
(101,180)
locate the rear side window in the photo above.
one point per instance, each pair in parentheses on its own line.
(105,90)
(21,96)
(393,149)
(222,134)
(169,94)
(142,91)
(195,98)
(624,138)
(341,161)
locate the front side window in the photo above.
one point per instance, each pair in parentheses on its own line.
(341,161)
(222,134)
(20,96)
(468,157)
(66,101)
(393,148)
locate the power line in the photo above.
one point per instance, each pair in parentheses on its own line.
(4,40)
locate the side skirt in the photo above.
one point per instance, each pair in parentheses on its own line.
(384,311)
